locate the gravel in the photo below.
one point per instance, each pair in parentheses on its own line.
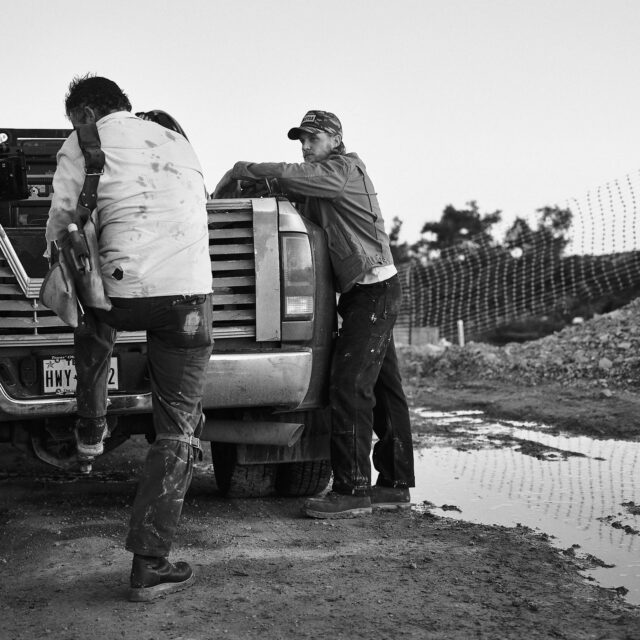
(603,352)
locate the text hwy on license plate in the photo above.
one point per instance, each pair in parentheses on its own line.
(59,375)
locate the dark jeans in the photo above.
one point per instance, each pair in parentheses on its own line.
(179,345)
(366,393)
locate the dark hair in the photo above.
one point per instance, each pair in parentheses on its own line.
(340,149)
(162,118)
(95,92)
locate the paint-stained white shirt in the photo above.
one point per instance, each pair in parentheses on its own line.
(151,213)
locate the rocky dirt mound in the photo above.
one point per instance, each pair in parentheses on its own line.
(603,352)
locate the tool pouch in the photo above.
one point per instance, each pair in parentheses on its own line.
(58,294)
(79,252)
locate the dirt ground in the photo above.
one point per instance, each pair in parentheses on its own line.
(576,409)
(264,571)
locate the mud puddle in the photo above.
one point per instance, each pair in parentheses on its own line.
(584,493)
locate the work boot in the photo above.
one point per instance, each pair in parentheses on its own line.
(390,498)
(90,435)
(337,505)
(153,577)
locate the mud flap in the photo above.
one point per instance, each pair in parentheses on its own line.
(312,445)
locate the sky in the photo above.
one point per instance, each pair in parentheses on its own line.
(516,104)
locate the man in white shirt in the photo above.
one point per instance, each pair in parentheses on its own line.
(156,270)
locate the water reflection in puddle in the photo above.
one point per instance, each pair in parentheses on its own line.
(578,499)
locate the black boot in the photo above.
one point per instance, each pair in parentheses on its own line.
(90,435)
(154,577)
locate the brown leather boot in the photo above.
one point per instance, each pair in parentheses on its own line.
(390,498)
(154,577)
(337,505)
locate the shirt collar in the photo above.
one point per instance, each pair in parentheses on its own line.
(115,115)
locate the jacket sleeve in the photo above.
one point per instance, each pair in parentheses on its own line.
(326,179)
(67,184)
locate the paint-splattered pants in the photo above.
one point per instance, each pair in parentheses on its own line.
(179,345)
(366,393)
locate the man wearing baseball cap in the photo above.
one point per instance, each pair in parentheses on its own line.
(366,392)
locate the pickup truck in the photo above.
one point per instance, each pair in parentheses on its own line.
(274,322)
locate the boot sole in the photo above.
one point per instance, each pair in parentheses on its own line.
(391,506)
(147,594)
(91,450)
(351,513)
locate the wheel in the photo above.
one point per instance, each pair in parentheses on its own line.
(240,480)
(303,478)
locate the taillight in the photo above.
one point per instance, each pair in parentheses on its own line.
(297,271)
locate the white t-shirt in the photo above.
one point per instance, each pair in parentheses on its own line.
(378,274)
(151,213)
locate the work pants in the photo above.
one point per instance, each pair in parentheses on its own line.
(366,393)
(179,344)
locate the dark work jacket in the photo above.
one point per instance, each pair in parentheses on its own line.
(341,199)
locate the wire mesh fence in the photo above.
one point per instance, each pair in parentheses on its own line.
(535,271)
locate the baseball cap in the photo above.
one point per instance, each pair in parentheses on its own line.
(316,121)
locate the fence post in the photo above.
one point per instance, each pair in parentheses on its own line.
(461,333)
(411,301)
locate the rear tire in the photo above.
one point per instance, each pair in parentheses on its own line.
(236,480)
(303,478)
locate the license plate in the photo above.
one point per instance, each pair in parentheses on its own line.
(59,375)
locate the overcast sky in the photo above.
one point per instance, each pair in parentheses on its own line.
(514,103)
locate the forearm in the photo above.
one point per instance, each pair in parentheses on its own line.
(321,179)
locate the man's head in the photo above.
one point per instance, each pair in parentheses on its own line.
(320,134)
(92,97)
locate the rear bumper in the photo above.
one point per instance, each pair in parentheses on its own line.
(258,379)
(233,380)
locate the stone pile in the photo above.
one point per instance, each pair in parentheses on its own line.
(603,351)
